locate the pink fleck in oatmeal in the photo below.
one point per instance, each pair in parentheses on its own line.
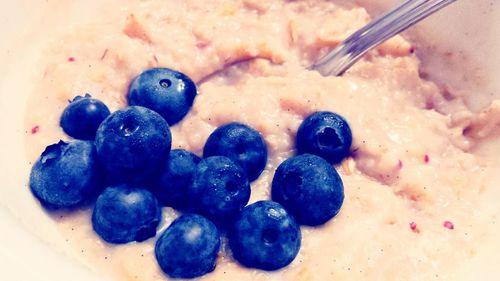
(449,225)
(35,130)
(414,227)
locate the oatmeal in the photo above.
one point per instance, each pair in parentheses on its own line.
(411,183)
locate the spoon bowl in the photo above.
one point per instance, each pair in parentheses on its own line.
(408,13)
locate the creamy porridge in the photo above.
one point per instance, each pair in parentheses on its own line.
(412,184)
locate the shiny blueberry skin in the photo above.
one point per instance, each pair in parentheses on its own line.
(132,143)
(66,175)
(175,178)
(309,188)
(82,117)
(240,143)
(125,213)
(220,189)
(325,134)
(166,91)
(188,248)
(265,236)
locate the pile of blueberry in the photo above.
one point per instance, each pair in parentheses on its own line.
(121,163)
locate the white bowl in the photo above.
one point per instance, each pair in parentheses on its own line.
(32,248)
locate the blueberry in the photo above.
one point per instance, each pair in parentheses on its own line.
(82,116)
(309,188)
(125,213)
(175,178)
(189,247)
(166,91)
(66,175)
(325,134)
(265,236)
(133,143)
(241,144)
(220,189)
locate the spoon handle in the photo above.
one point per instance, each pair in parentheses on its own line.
(408,13)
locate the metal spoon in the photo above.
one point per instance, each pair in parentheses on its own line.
(408,13)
